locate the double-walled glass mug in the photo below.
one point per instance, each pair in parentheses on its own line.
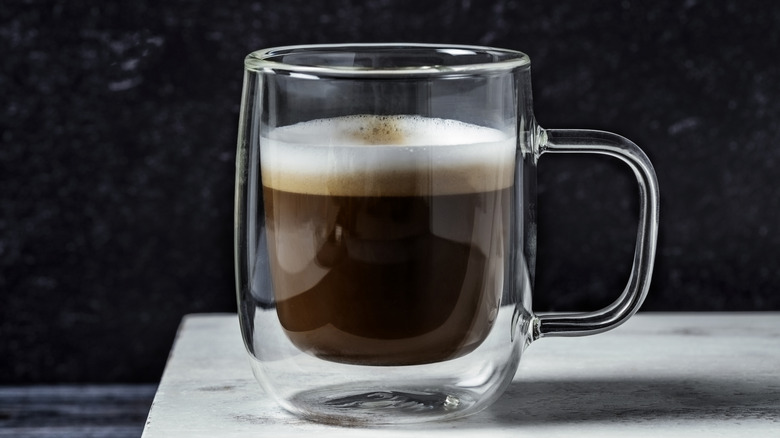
(385,228)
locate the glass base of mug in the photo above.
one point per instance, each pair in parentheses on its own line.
(354,395)
(366,403)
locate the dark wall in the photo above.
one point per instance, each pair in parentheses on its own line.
(118,124)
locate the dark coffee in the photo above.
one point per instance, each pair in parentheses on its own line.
(388,267)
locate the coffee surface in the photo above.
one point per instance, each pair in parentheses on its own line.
(387,156)
(387,254)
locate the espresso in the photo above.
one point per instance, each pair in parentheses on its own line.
(387,235)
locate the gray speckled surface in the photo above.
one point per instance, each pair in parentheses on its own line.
(117,135)
(682,375)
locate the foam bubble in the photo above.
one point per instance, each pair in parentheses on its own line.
(368,155)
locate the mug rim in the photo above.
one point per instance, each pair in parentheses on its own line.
(272,60)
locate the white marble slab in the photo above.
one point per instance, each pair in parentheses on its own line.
(659,375)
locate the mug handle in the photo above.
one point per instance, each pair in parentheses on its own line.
(564,141)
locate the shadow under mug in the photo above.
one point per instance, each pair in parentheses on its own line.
(385,229)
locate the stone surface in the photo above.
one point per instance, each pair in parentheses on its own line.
(118,124)
(682,375)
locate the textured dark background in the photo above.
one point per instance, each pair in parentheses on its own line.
(118,124)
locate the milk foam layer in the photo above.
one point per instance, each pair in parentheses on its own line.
(366,155)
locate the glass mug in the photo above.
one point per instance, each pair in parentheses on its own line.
(385,229)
